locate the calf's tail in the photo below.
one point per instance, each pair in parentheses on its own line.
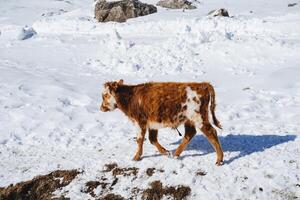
(213,106)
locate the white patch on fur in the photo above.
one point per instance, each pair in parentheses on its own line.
(111,101)
(192,107)
(156,125)
(210,117)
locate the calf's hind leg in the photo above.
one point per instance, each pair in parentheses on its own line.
(212,137)
(190,131)
(153,140)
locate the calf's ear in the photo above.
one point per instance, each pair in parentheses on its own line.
(114,86)
(120,82)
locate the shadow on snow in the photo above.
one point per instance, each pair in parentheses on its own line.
(244,144)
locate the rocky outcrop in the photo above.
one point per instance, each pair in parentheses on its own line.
(220,12)
(176,4)
(120,11)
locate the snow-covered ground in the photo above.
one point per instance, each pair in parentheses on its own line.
(54,59)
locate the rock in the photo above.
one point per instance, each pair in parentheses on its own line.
(176,4)
(120,11)
(292,4)
(220,12)
(26,33)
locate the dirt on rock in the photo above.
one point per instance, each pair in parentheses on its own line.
(109,167)
(157,191)
(40,187)
(201,173)
(150,171)
(112,196)
(106,185)
(91,185)
(125,171)
(116,170)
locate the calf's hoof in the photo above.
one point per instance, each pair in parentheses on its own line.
(219,162)
(137,158)
(167,153)
(175,155)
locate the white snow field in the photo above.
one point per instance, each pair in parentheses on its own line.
(54,59)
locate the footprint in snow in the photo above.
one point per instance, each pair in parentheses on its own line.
(53,13)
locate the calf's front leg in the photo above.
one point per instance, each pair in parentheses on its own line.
(140,140)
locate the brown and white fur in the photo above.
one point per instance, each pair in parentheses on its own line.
(157,105)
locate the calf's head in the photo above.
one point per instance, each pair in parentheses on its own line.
(109,102)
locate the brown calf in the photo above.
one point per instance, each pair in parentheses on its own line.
(157,105)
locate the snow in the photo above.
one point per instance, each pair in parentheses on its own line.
(54,59)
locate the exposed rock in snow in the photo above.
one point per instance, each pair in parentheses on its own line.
(26,33)
(292,4)
(120,11)
(220,12)
(176,4)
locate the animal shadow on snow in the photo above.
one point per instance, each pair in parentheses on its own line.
(244,144)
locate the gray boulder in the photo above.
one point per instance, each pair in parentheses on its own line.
(176,4)
(120,11)
(220,12)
